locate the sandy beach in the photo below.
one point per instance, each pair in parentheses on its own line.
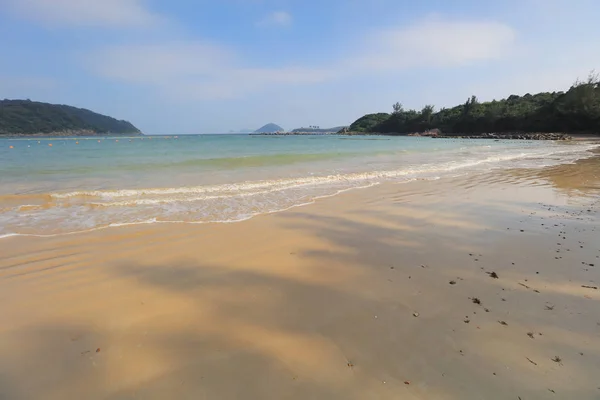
(472,287)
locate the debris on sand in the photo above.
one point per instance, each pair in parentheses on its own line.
(590,287)
(415,314)
(524,285)
(503,323)
(493,275)
(530,334)
(557,359)
(531,361)
(452,282)
(528,287)
(475,300)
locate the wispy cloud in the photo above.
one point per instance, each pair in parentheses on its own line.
(196,70)
(91,13)
(276,18)
(160,63)
(200,70)
(435,42)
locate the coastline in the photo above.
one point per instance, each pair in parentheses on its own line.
(63,134)
(489,136)
(350,297)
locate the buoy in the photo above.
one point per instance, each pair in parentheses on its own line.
(98,141)
(76,142)
(50,144)
(11,147)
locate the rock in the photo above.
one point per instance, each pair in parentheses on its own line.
(510,136)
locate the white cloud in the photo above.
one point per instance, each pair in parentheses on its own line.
(276,18)
(434,42)
(96,13)
(196,70)
(160,63)
(540,72)
(199,70)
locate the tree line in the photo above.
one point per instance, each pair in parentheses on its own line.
(32,117)
(577,110)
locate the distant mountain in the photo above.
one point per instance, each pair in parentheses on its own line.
(319,130)
(270,128)
(26,117)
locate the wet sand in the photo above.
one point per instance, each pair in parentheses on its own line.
(384,293)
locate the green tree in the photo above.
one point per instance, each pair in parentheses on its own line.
(397,108)
(577,110)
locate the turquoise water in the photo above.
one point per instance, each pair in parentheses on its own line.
(63,185)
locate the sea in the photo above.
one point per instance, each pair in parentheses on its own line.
(57,186)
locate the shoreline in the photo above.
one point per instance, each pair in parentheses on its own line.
(488,136)
(64,134)
(368,293)
(153,221)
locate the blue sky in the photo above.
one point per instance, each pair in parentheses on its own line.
(199,66)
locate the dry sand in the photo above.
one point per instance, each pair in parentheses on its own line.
(366,295)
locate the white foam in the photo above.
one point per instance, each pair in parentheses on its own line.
(85,211)
(281,184)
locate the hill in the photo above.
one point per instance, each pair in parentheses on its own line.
(269,128)
(318,130)
(577,110)
(368,122)
(26,117)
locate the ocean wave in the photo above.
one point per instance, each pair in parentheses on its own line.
(49,214)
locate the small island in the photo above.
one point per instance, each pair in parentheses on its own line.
(269,128)
(32,118)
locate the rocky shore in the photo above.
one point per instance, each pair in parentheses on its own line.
(513,136)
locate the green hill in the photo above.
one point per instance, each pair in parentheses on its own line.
(25,117)
(577,110)
(270,128)
(368,122)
